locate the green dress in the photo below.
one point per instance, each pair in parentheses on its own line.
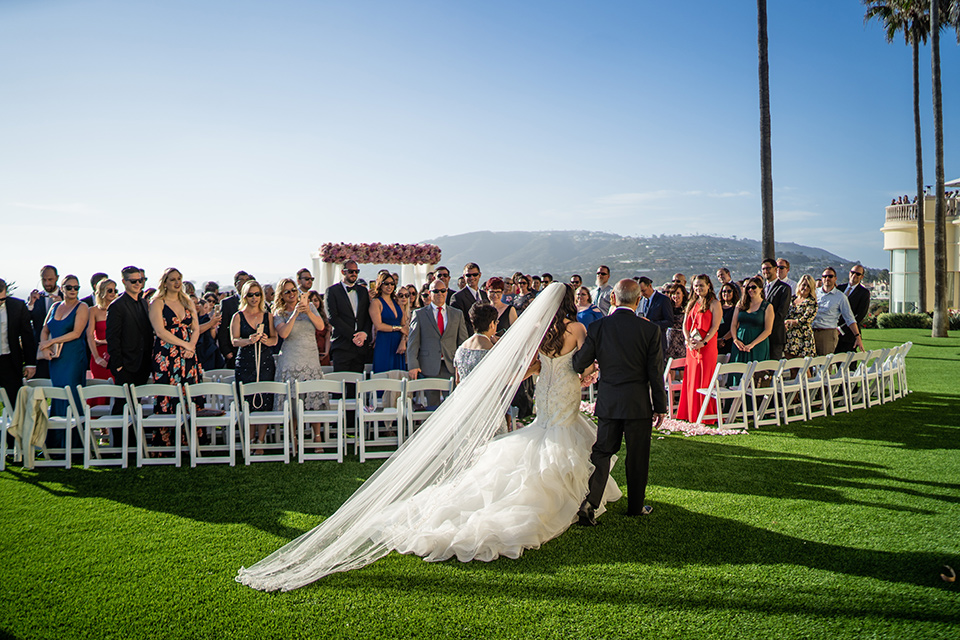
(749,326)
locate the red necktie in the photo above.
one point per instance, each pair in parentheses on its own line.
(440,319)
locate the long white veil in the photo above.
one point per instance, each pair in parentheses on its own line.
(444,446)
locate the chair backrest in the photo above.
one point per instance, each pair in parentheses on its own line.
(202,389)
(346,376)
(673,365)
(139,392)
(98,382)
(837,363)
(387,375)
(7,406)
(99,391)
(39,382)
(252,388)
(217,375)
(774,367)
(799,365)
(301,387)
(429,384)
(380,384)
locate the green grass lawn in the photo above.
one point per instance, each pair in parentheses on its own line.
(834,528)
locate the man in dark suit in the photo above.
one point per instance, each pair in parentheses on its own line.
(631,400)
(777,293)
(859,297)
(470,294)
(129,334)
(39,304)
(228,307)
(18,345)
(442,273)
(348,309)
(436,331)
(657,308)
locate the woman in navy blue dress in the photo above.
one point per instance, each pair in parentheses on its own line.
(389,350)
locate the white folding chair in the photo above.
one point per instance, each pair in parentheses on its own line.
(275,437)
(733,394)
(99,417)
(814,389)
(762,388)
(379,430)
(902,368)
(835,383)
(873,376)
(855,377)
(349,400)
(416,415)
(673,383)
(791,386)
(216,421)
(144,399)
(217,375)
(6,417)
(39,382)
(67,423)
(332,447)
(891,374)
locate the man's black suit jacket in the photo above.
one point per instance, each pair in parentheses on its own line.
(779,299)
(228,308)
(627,349)
(463,300)
(129,336)
(20,336)
(38,315)
(344,322)
(860,305)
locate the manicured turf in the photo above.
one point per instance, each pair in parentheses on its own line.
(835,528)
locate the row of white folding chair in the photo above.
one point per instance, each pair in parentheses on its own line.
(67,423)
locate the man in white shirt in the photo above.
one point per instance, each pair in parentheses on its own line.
(783,273)
(601,295)
(832,305)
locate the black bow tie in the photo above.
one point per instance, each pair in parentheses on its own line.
(355,287)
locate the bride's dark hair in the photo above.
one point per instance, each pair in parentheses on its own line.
(567,311)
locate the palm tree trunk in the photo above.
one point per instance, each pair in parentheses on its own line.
(921,222)
(768,245)
(941,321)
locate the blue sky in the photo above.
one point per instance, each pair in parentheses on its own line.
(216,135)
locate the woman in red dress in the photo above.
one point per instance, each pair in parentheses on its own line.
(700,325)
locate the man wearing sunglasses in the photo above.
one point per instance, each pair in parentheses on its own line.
(601,295)
(228,307)
(129,334)
(304,281)
(859,297)
(832,306)
(436,330)
(348,308)
(470,294)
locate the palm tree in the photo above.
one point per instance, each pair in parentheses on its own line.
(911,17)
(941,320)
(768,246)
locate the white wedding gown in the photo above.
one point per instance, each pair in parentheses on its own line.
(523,489)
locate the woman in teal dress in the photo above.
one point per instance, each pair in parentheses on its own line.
(751,325)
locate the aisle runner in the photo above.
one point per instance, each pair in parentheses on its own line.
(671,425)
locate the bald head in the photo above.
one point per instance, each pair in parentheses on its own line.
(626,293)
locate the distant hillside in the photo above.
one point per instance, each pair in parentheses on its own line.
(564,253)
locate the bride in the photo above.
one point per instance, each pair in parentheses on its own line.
(454,490)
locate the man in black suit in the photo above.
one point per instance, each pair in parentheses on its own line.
(129,334)
(443,274)
(859,297)
(470,294)
(631,400)
(348,308)
(18,345)
(657,308)
(228,307)
(777,293)
(39,304)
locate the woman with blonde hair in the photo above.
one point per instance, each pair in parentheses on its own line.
(105,293)
(799,322)
(251,329)
(297,321)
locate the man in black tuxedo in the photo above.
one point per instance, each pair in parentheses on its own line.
(657,308)
(348,309)
(442,273)
(129,334)
(228,307)
(470,294)
(859,297)
(39,304)
(631,400)
(18,345)
(777,293)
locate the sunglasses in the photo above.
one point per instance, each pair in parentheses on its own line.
(498,292)
(782,266)
(254,294)
(401,296)
(136,280)
(443,275)
(110,291)
(601,273)
(351,270)
(306,278)
(856,273)
(436,291)
(71,287)
(286,291)
(389,284)
(827,275)
(752,287)
(472,275)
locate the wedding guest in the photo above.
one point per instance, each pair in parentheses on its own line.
(348,309)
(228,307)
(189,289)
(473,349)
(576,281)
(601,296)
(803,310)
(506,313)
(268,294)
(443,273)
(859,298)
(587,312)
(783,273)
(297,322)
(676,345)
(208,350)
(18,347)
(435,333)
(91,300)
(510,290)
(173,316)
(470,294)
(304,281)
(535,284)
(253,334)
(39,305)
(129,336)
(423,298)
(524,295)
(386,315)
(657,308)
(211,287)
(547,279)
(729,297)
(679,278)
(752,324)
(700,327)
(104,294)
(62,345)
(832,308)
(323,337)
(413,297)
(723,276)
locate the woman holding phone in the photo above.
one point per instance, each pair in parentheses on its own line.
(297,321)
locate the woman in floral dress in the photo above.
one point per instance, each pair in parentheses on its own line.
(799,322)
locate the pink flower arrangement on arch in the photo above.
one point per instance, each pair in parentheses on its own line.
(377,253)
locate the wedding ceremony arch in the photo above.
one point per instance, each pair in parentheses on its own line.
(415,260)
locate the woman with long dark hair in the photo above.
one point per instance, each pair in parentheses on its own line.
(700,327)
